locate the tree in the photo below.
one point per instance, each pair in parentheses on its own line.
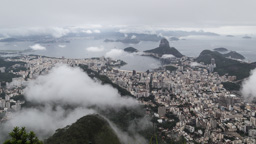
(20,136)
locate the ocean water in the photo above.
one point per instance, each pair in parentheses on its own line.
(190,46)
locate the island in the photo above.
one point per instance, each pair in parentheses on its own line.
(247,37)
(221,49)
(130,49)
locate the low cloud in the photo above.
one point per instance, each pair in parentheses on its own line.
(248,87)
(168,56)
(62,46)
(95,49)
(62,86)
(114,53)
(97,31)
(195,64)
(37,47)
(44,120)
(88,31)
(72,86)
(133,37)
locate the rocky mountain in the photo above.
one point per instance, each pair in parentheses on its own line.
(164,48)
(90,129)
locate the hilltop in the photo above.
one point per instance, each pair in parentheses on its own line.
(90,129)
(234,55)
(164,48)
(225,65)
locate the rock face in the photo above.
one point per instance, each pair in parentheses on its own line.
(164,43)
(164,48)
(90,129)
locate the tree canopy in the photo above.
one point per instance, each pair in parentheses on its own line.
(20,136)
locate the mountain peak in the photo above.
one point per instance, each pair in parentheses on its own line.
(164,43)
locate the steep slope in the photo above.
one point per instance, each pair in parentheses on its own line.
(90,129)
(234,55)
(164,48)
(225,65)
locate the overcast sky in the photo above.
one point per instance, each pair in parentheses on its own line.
(173,13)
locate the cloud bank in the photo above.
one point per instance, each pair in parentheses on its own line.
(167,56)
(63,86)
(195,64)
(72,86)
(95,49)
(62,46)
(37,47)
(114,53)
(248,87)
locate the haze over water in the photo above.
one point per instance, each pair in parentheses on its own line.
(189,46)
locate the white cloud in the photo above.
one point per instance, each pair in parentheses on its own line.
(62,46)
(64,85)
(167,56)
(37,47)
(195,64)
(69,85)
(88,31)
(248,87)
(97,31)
(133,36)
(95,49)
(114,53)
(44,121)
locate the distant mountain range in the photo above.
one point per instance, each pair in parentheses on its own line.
(164,48)
(90,129)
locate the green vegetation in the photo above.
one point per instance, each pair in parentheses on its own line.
(234,55)
(171,68)
(8,64)
(90,129)
(225,65)
(20,136)
(19,97)
(231,86)
(6,76)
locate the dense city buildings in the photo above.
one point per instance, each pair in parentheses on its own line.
(188,101)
